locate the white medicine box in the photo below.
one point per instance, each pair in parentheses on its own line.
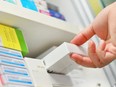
(38,72)
(59,61)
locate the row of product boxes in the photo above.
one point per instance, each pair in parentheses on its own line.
(40,6)
(13,70)
(12,38)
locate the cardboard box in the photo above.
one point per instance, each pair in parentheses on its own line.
(41,4)
(1,83)
(8,38)
(23,45)
(38,72)
(13,38)
(59,61)
(12,62)
(13,71)
(42,7)
(10,53)
(19,80)
(30,4)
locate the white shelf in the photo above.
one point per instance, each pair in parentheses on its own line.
(40,31)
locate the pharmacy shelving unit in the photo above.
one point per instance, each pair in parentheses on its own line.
(40,31)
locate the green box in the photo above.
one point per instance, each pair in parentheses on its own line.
(23,45)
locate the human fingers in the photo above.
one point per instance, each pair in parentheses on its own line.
(100,56)
(110,52)
(93,55)
(84,61)
(83,36)
(100,51)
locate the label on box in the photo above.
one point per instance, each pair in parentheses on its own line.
(9,38)
(13,79)
(12,62)
(10,53)
(13,70)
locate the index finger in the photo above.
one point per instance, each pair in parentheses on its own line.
(83,36)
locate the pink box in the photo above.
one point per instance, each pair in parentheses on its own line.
(44,12)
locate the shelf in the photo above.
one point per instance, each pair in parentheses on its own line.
(40,31)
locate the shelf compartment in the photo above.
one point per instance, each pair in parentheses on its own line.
(40,31)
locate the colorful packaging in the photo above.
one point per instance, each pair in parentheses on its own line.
(13,70)
(11,1)
(29,4)
(13,38)
(41,3)
(42,7)
(10,53)
(24,48)
(56,14)
(46,12)
(18,80)
(1,83)
(12,62)
(8,38)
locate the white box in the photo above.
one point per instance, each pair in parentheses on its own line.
(59,61)
(13,70)
(18,80)
(12,62)
(10,53)
(38,72)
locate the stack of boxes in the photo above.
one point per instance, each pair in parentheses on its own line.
(40,6)
(12,38)
(36,5)
(54,11)
(13,71)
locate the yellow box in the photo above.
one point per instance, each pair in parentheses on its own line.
(8,38)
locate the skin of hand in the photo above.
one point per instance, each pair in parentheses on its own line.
(104,26)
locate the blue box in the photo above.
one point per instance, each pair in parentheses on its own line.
(29,4)
(13,70)
(10,53)
(19,80)
(56,14)
(12,62)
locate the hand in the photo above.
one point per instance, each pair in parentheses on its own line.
(104,26)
